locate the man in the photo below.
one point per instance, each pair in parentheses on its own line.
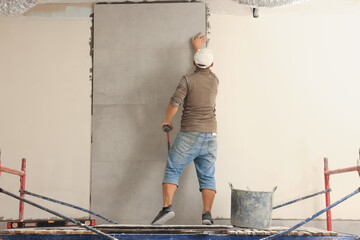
(197,140)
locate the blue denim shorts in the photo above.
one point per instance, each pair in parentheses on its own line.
(193,146)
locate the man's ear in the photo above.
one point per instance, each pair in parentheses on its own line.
(194,63)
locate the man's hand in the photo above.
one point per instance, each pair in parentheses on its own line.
(198,41)
(166,123)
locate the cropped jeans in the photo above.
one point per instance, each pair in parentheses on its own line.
(193,146)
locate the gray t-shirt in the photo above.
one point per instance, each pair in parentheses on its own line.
(197,92)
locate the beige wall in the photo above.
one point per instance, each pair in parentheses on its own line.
(289,97)
(45,109)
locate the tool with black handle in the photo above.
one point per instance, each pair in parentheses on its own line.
(167,128)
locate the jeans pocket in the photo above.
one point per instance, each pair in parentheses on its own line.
(186,141)
(212,146)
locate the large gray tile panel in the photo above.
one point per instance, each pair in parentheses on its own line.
(129,132)
(139,76)
(155,25)
(131,193)
(140,53)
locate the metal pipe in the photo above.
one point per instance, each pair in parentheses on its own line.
(22,187)
(302,198)
(327,195)
(22,175)
(313,216)
(58,214)
(8,170)
(67,204)
(342,170)
(358,163)
(12,171)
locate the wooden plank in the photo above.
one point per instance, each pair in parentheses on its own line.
(320,232)
(170,229)
(127,226)
(304,232)
(249,232)
(235,232)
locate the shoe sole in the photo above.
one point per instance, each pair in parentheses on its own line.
(164,218)
(206,222)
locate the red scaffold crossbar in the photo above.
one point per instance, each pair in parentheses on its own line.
(342,170)
(327,174)
(22,175)
(12,171)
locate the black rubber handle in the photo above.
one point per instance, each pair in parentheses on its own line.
(166,128)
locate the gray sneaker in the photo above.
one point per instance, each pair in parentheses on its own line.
(164,215)
(207,219)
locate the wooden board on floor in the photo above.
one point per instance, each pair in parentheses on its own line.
(170,229)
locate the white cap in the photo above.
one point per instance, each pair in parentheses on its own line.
(203,58)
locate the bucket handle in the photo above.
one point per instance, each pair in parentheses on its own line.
(231,187)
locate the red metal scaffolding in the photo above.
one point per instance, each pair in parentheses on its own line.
(22,175)
(327,174)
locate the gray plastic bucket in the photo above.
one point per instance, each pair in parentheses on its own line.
(250,208)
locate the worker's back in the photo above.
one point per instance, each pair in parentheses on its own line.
(199,103)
